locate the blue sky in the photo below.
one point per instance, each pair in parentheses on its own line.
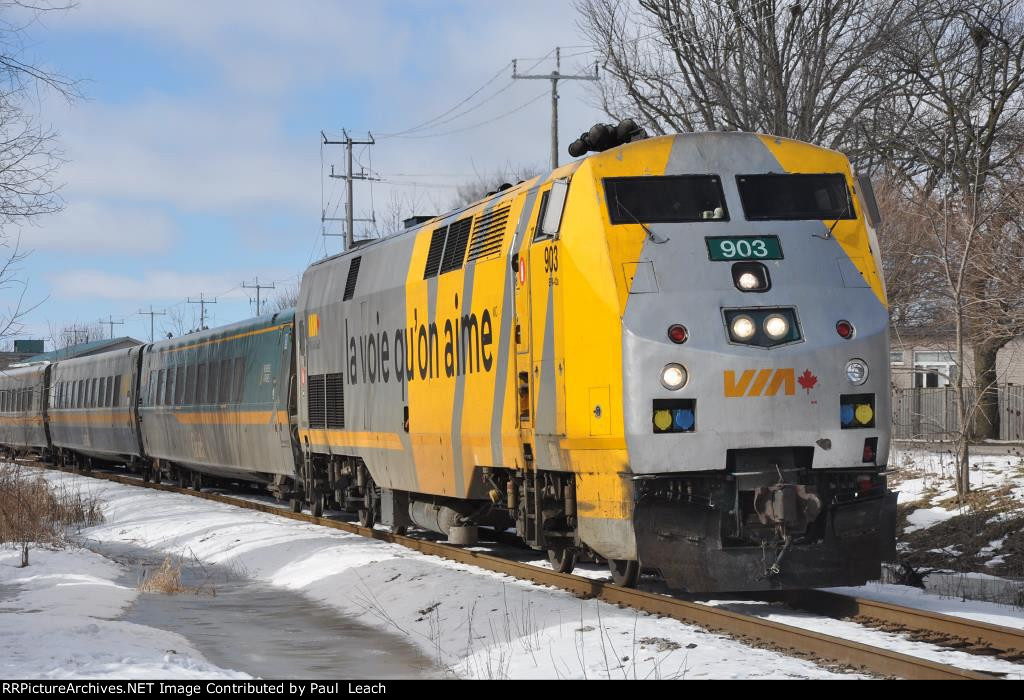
(194,160)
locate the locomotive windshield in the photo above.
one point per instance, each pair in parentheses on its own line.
(669,199)
(793,197)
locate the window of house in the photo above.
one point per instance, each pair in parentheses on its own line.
(934,368)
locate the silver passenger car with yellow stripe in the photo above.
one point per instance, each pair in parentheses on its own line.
(671,355)
(23,408)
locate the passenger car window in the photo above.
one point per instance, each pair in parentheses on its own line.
(201,384)
(239,379)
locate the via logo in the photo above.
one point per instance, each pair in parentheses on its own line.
(760,382)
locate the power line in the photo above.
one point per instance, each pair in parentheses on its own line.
(349,177)
(152,314)
(111,322)
(444,114)
(257,286)
(478,124)
(554,77)
(202,308)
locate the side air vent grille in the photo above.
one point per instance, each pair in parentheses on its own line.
(455,248)
(317,402)
(335,401)
(488,234)
(434,254)
(353,275)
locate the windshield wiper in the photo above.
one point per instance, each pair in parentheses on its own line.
(649,232)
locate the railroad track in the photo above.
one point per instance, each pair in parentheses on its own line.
(798,641)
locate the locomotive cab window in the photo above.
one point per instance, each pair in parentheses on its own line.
(815,197)
(552,206)
(665,199)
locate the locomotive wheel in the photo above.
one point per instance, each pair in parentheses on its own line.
(295,504)
(624,572)
(562,560)
(366,517)
(197,481)
(316,505)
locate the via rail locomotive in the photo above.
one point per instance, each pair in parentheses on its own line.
(671,355)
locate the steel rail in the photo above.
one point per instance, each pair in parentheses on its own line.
(1004,641)
(801,642)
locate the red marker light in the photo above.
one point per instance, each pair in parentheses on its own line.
(677,334)
(845,330)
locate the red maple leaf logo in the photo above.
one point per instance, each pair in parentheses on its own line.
(807,380)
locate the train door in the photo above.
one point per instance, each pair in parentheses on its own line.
(546,365)
(283,388)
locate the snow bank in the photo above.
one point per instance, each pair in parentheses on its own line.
(473,623)
(59,622)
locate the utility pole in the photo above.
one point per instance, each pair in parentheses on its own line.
(202,309)
(151,315)
(257,286)
(554,77)
(349,177)
(111,322)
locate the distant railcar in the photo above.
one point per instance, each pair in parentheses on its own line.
(216,402)
(92,408)
(23,408)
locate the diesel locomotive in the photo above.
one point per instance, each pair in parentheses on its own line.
(671,355)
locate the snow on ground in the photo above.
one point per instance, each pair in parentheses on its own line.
(473,623)
(923,518)
(992,613)
(927,496)
(58,620)
(865,635)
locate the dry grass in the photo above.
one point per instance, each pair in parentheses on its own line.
(35,512)
(167,580)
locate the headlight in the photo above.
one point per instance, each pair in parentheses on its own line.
(748,280)
(743,328)
(776,326)
(673,377)
(857,371)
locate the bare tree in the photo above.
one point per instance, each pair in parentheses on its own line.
(286,298)
(72,334)
(471,191)
(811,70)
(177,323)
(29,152)
(961,142)
(399,206)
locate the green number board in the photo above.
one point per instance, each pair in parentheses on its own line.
(744,248)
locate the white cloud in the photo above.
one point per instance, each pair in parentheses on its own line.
(151,286)
(94,227)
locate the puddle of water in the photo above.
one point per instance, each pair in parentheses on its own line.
(264,631)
